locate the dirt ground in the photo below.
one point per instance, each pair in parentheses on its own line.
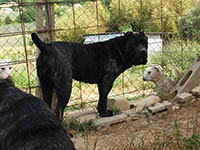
(165,130)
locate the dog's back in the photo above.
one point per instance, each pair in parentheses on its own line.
(96,63)
(28,124)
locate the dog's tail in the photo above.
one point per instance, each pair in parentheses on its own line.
(40,44)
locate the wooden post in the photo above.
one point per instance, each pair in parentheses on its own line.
(45,27)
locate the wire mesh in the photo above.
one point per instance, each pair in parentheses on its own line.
(173,36)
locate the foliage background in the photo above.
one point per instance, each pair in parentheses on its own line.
(176,21)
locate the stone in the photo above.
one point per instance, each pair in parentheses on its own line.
(71,116)
(87,117)
(130,111)
(120,104)
(189,80)
(148,101)
(196,91)
(160,107)
(134,117)
(168,105)
(183,97)
(175,107)
(108,121)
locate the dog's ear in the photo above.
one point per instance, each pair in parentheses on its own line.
(129,33)
(158,68)
(142,33)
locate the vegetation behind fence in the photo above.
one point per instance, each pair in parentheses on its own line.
(176,21)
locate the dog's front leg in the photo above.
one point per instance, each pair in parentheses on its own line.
(104,89)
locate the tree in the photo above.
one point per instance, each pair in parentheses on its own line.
(8,20)
(190,24)
(127,12)
(28,16)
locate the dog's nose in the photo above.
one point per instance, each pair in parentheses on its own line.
(144,79)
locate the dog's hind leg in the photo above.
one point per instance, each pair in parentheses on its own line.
(104,89)
(63,91)
(47,90)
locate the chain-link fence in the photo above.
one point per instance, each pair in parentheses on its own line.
(173,28)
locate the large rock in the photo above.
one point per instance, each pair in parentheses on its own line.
(160,107)
(196,91)
(183,97)
(118,103)
(81,115)
(148,101)
(108,121)
(87,117)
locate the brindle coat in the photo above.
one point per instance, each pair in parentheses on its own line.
(97,63)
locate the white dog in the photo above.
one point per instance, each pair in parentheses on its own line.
(5,69)
(164,85)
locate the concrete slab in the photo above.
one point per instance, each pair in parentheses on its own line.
(190,79)
(108,121)
(87,117)
(156,108)
(70,116)
(160,107)
(183,97)
(168,105)
(130,112)
(145,102)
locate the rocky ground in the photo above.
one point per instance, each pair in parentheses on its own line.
(164,130)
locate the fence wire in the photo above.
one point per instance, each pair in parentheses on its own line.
(171,25)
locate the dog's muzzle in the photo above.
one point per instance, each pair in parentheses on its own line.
(143,54)
(143,50)
(9,77)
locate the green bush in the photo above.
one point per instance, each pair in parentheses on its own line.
(165,18)
(176,57)
(147,15)
(83,21)
(8,20)
(190,24)
(123,13)
(106,3)
(134,12)
(28,15)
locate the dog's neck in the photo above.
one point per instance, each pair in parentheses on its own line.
(159,80)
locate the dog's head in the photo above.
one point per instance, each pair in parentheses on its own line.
(5,69)
(5,73)
(5,83)
(136,48)
(153,73)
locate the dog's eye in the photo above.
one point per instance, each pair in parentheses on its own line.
(3,68)
(149,72)
(10,67)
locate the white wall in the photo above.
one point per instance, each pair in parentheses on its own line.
(154,40)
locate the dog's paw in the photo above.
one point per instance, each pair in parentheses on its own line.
(108,113)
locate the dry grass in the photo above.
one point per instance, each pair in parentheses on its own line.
(177,130)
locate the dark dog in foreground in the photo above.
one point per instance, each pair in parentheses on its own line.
(27,123)
(97,63)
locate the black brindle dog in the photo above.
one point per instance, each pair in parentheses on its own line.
(97,63)
(27,123)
